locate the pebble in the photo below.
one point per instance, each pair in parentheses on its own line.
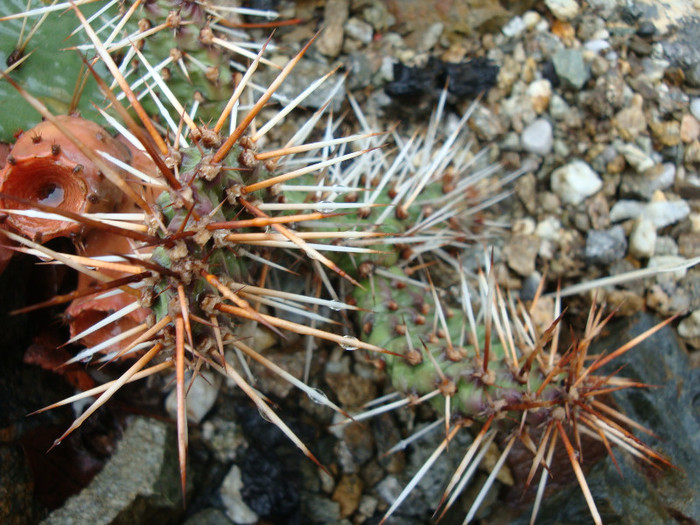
(232,499)
(690,129)
(690,326)
(630,121)
(359,30)
(574,182)
(695,108)
(515,27)
(643,239)
(570,67)
(660,177)
(563,9)
(606,246)
(635,157)
(661,213)
(540,93)
(330,41)
(662,261)
(348,493)
(537,137)
(520,253)
(201,396)
(531,19)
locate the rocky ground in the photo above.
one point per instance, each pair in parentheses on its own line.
(600,101)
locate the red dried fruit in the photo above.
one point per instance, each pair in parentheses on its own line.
(45,167)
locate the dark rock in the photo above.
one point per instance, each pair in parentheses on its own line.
(466,79)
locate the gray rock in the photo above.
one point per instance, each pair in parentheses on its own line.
(570,67)
(643,186)
(606,246)
(320,509)
(305,72)
(359,30)
(139,483)
(537,137)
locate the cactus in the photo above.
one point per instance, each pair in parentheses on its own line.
(199,216)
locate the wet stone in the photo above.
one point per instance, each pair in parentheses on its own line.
(606,246)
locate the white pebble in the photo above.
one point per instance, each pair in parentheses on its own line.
(531,19)
(231,497)
(575,182)
(514,27)
(537,137)
(563,9)
(665,213)
(695,108)
(643,239)
(596,46)
(660,213)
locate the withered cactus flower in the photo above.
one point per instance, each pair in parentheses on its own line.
(44,166)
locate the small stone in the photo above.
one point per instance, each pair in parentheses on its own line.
(520,253)
(537,137)
(201,396)
(570,67)
(690,326)
(359,30)
(665,213)
(661,213)
(630,121)
(232,499)
(668,133)
(635,157)
(351,391)
(347,494)
(430,37)
(531,19)
(575,182)
(643,239)
(330,41)
(690,128)
(540,92)
(514,27)
(695,108)
(689,244)
(668,261)
(606,246)
(563,9)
